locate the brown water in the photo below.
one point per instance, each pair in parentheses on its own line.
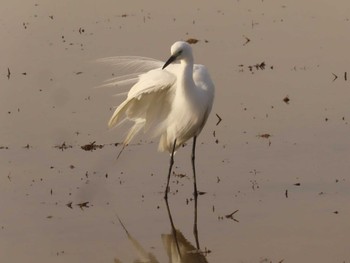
(291,189)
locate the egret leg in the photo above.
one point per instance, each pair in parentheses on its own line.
(193,157)
(169,173)
(195,193)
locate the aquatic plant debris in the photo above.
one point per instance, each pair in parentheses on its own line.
(286,99)
(192,41)
(63,146)
(264,135)
(83,205)
(257,66)
(92,146)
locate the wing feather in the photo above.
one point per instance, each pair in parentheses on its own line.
(148,102)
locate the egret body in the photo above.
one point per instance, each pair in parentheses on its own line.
(171,100)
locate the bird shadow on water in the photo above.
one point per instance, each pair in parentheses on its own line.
(177,247)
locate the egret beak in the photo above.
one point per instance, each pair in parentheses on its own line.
(169,61)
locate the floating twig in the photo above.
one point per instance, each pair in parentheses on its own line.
(335,77)
(230,216)
(247,40)
(218,118)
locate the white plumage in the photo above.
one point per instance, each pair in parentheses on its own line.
(173,103)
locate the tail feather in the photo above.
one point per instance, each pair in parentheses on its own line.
(134,130)
(118,114)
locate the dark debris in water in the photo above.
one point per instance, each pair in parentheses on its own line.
(83,205)
(180,175)
(125,15)
(255,67)
(8,73)
(231,216)
(264,135)
(27,146)
(192,41)
(286,99)
(92,146)
(87,147)
(63,146)
(335,76)
(247,40)
(219,119)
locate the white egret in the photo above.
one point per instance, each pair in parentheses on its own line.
(171,100)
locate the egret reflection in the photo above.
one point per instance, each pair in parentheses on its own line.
(178,248)
(142,255)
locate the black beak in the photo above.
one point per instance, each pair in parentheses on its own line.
(169,61)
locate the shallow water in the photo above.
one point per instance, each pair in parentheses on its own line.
(291,189)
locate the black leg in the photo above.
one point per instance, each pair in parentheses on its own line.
(169,173)
(193,166)
(195,193)
(195,227)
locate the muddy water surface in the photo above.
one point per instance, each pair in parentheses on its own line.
(280,155)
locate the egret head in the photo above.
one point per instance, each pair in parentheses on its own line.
(179,51)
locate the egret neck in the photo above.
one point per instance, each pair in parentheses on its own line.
(185,81)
